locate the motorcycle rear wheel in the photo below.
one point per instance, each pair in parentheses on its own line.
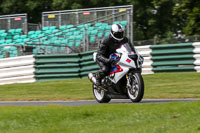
(100,95)
(136,92)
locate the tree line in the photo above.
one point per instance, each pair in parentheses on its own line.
(160,18)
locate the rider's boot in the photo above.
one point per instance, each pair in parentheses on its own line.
(99,76)
(98,79)
(98,82)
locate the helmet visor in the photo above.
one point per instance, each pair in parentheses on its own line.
(119,35)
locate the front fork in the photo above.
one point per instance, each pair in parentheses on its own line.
(130,83)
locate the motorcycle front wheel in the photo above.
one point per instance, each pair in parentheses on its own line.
(100,95)
(136,90)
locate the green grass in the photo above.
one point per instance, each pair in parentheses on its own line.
(163,85)
(172,85)
(177,117)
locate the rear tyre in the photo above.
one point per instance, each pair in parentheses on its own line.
(136,90)
(100,95)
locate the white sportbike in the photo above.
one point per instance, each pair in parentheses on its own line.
(124,81)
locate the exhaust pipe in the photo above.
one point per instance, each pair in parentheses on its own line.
(92,78)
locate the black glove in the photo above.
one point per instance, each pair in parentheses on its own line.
(113,61)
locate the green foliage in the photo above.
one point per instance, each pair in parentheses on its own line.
(12,6)
(142,19)
(188,12)
(151,17)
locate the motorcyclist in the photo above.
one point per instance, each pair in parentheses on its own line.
(108,46)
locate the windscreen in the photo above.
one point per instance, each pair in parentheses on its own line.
(126,48)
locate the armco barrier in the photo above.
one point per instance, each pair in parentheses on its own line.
(145,51)
(87,64)
(54,67)
(173,57)
(157,58)
(196,52)
(17,70)
(51,67)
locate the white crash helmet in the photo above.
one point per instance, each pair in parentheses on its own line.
(117,32)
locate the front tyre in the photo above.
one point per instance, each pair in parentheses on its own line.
(100,95)
(135,89)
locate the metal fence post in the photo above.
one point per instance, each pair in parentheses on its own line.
(77,18)
(59,19)
(42,19)
(9,23)
(26,25)
(131,23)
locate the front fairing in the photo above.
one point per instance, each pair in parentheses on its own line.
(128,57)
(124,64)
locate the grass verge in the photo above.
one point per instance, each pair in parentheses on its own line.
(177,117)
(162,85)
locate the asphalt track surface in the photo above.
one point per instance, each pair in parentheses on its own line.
(90,102)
